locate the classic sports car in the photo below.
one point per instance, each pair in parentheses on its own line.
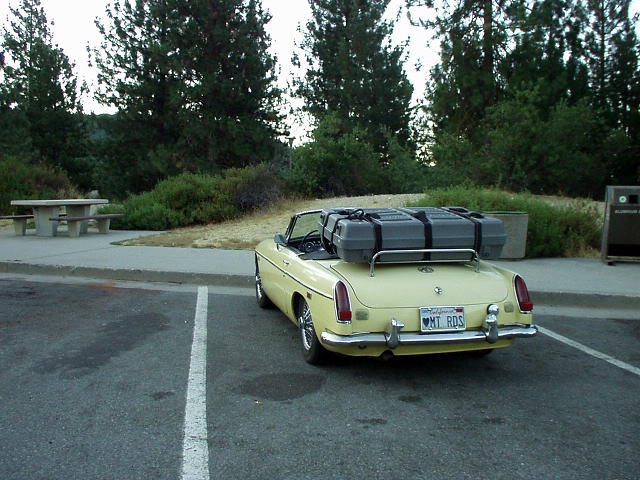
(381,308)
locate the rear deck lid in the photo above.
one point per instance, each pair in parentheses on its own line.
(414,285)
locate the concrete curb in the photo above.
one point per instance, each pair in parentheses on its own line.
(540,298)
(134,275)
(585,300)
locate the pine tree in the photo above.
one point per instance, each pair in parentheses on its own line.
(612,50)
(474,38)
(137,75)
(354,73)
(232,118)
(193,85)
(39,96)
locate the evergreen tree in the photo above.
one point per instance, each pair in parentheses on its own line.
(193,85)
(475,39)
(564,71)
(39,104)
(232,118)
(137,76)
(548,55)
(354,73)
(612,50)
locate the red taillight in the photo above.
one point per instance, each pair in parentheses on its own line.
(343,306)
(522,293)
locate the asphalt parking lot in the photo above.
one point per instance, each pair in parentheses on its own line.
(99,380)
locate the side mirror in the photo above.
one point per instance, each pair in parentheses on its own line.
(279,239)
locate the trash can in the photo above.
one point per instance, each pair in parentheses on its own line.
(516,227)
(621,230)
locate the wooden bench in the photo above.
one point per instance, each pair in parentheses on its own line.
(74,223)
(19,222)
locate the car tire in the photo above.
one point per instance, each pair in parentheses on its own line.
(312,350)
(261,297)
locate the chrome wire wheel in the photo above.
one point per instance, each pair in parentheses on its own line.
(307,331)
(259,290)
(312,350)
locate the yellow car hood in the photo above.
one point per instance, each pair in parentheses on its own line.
(415,285)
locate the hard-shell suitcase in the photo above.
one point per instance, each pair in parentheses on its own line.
(357,234)
(458,227)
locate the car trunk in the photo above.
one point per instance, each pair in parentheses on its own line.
(411,285)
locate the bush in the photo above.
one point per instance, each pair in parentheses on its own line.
(190,199)
(335,163)
(404,173)
(23,180)
(554,230)
(252,188)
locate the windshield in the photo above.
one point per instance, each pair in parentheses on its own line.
(302,224)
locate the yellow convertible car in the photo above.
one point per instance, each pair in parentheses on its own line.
(419,301)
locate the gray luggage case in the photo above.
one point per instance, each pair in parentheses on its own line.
(458,227)
(346,233)
(355,235)
(444,229)
(490,235)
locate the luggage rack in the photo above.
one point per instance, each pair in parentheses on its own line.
(474,257)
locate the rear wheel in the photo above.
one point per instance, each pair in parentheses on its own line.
(312,350)
(261,297)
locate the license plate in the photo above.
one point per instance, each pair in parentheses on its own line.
(442,319)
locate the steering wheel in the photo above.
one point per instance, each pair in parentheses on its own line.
(307,245)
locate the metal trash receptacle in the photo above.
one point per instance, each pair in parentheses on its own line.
(621,231)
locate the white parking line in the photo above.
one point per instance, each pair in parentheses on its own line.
(195,450)
(590,351)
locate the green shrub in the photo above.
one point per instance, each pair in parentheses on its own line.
(190,199)
(252,188)
(23,180)
(554,230)
(335,163)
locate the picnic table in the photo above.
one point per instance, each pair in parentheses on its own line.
(47,213)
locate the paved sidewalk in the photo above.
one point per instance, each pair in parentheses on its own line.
(97,256)
(565,282)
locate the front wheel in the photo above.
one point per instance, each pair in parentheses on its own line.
(261,297)
(312,350)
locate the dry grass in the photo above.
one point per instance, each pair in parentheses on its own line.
(246,232)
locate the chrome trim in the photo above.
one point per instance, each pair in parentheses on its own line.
(393,335)
(474,256)
(389,339)
(296,279)
(490,324)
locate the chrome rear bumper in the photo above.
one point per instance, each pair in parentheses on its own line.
(394,338)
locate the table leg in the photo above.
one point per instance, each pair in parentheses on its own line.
(44,226)
(80,211)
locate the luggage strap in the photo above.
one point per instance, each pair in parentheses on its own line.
(349,214)
(473,217)
(428,232)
